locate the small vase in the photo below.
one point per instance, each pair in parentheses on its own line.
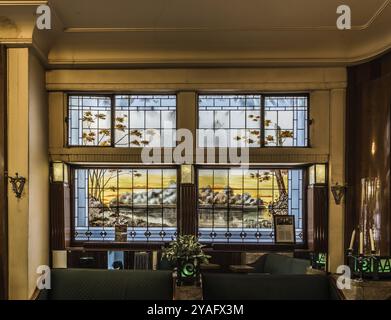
(187,273)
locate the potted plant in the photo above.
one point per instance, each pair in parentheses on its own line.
(186,254)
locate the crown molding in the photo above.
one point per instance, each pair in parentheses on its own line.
(240,79)
(23,3)
(207,29)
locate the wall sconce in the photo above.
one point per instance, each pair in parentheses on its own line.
(318,174)
(338,192)
(187,174)
(17,184)
(59,172)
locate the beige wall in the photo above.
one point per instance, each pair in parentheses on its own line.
(38,244)
(18,209)
(27,143)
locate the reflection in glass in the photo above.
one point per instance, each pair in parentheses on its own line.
(243,201)
(143,199)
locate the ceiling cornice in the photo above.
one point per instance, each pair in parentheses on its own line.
(208,29)
(22,3)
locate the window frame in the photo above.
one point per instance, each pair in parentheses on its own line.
(112,96)
(262,113)
(255,246)
(110,243)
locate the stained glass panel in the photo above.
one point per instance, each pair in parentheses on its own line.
(237,205)
(228,120)
(89,121)
(145,120)
(144,199)
(286,120)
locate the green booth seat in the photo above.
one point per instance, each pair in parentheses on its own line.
(268,287)
(272,263)
(92,284)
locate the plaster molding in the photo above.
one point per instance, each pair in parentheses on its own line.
(207,29)
(239,79)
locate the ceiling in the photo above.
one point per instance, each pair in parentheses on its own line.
(216,32)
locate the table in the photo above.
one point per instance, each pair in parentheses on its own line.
(367,289)
(241,268)
(209,267)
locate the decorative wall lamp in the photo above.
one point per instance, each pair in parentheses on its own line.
(59,172)
(318,174)
(17,183)
(338,192)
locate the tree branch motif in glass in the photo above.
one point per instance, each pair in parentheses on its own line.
(145,120)
(89,121)
(286,120)
(144,199)
(229,121)
(237,205)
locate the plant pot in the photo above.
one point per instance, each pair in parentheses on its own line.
(188,273)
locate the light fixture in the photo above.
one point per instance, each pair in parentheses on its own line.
(59,172)
(17,183)
(338,192)
(318,174)
(187,175)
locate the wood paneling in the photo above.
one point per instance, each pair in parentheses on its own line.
(368,141)
(3,179)
(60,216)
(317,223)
(187,209)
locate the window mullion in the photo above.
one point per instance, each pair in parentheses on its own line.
(112,130)
(262,124)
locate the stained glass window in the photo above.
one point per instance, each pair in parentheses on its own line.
(237,205)
(143,199)
(89,121)
(286,120)
(229,120)
(139,120)
(145,121)
(252,121)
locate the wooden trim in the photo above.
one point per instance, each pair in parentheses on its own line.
(333,283)
(35,294)
(318,218)
(187,210)
(60,218)
(3,179)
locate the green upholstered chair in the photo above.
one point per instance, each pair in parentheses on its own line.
(280,264)
(93,284)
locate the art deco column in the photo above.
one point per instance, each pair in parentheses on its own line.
(188,201)
(317,221)
(60,216)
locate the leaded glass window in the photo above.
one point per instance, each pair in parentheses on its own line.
(286,120)
(145,121)
(89,121)
(229,120)
(130,121)
(252,121)
(143,199)
(237,205)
